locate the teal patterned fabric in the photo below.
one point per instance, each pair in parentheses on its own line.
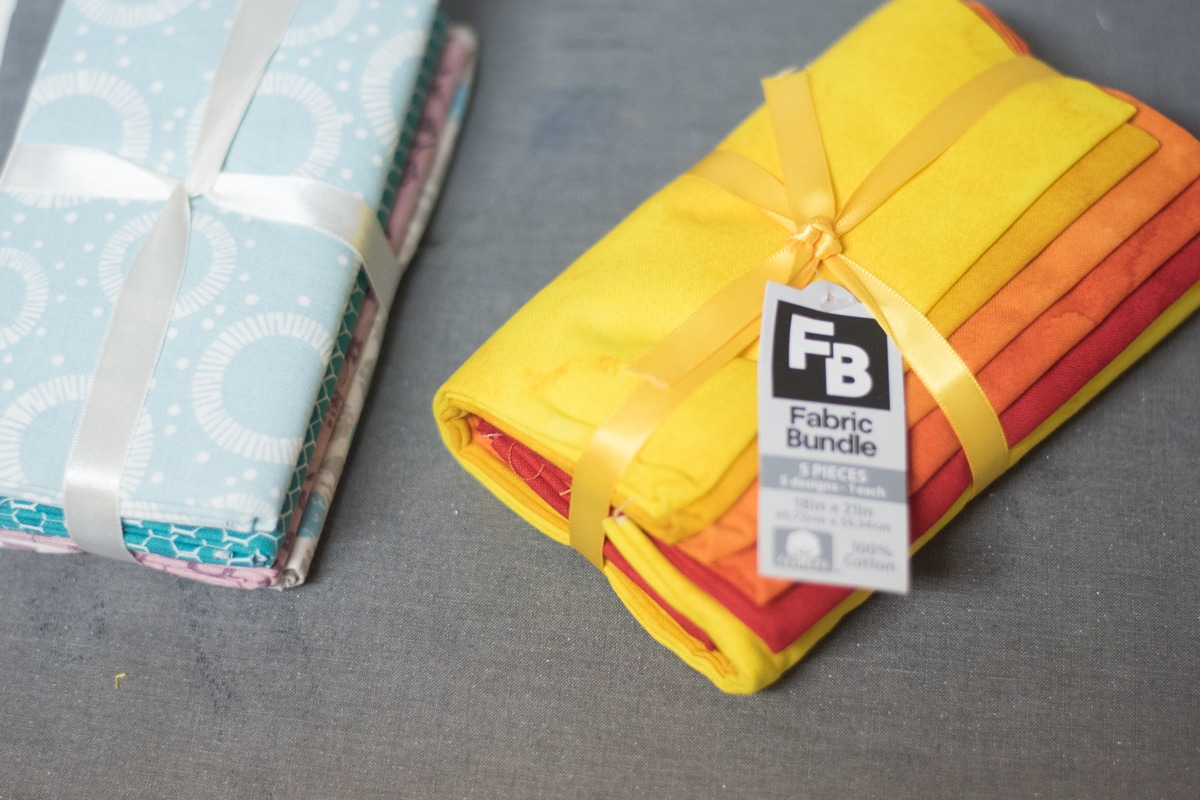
(412,117)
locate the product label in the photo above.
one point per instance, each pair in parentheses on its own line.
(832,443)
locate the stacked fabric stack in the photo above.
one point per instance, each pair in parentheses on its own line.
(276,330)
(1051,244)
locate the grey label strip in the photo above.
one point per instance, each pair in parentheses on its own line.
(865,483)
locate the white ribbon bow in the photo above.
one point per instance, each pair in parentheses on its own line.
(143,311)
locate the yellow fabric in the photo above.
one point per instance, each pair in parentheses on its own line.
(1070,196)
(655,268)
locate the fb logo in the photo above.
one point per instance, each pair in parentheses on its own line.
(829,358)
(846,365)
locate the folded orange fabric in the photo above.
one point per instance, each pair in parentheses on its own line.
(1092,177)
(1064,324)
(728,546)
(1095,236)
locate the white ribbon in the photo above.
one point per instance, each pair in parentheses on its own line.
(143,311)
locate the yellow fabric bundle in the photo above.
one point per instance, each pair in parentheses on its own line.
(937,241)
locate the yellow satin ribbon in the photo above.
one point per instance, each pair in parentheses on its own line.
(804,203)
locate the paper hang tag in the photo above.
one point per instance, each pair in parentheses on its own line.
(832,443)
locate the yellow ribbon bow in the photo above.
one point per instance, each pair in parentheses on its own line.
(804,203)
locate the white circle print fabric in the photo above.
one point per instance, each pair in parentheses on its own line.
(139,14)
(313,23)
(124,123)
(24,292)
(199,289)
(34,424)
(213,408)
(261,304)
(86,107)
(387,66)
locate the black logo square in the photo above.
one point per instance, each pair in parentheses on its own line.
(829,358)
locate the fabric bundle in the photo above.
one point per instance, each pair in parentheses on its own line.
(1051,244)
(276,329)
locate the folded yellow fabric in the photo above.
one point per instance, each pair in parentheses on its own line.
(686,242)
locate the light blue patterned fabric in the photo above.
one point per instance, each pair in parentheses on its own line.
(222,446)
(208,544)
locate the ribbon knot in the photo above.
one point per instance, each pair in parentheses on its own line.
(821,235)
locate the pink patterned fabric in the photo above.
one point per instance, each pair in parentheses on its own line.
(455,66)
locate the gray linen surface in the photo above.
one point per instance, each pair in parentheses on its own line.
(444,649)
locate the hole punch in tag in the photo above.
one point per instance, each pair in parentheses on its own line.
(832,443)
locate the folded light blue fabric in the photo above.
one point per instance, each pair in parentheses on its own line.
(265,310)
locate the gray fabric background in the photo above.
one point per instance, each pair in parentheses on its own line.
(443,649)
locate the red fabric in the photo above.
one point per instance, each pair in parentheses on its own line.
(554,486)
(551,483)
